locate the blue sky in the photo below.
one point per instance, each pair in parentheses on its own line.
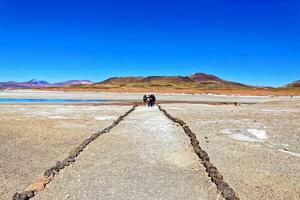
(251,41)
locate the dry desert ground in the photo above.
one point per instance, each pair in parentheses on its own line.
(256,147)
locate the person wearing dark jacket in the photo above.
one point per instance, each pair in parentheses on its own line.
(153,100)
(145,99)
(149,100)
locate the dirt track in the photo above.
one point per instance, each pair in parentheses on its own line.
(136,162)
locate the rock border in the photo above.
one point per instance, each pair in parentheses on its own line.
(227,192)
(49,174)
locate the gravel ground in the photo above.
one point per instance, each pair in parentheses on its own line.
(256,148)
(33,138)
(145,157)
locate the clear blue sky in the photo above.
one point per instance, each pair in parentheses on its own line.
(250,41)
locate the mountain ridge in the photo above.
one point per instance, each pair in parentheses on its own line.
(295,84)
(34,83)
(196,80)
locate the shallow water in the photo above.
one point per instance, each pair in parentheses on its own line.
(25,100)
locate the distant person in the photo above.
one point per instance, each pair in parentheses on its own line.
(149,100)
(153,100)
(145,99)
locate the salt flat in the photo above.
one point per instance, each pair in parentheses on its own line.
(134,96)
(34,137)
(255,147)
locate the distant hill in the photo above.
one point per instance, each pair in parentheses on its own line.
(121,80)
(295,84)
(201,77)
(211,81)
(41,84)
(72,82)
(195,81)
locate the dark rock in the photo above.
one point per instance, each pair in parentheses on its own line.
(210,168)
(197,149)
(228,193)
(48,173)
(65,162)
(195,143)
(193,137)
(73,154)
(221,185)
(95,135)
(82,146)
(102,131)
(207,164)
(202,154)
(23,196)
(206,158)
(70,159)
(16,196)
(215,175)
(85,142)
(187,130)
(59,165)
(29,193)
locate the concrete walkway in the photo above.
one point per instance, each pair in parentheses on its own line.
(145,157)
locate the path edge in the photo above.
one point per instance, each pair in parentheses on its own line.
(227,192)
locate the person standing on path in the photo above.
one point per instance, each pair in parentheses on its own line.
(145,99)
(149,99)
(153,99)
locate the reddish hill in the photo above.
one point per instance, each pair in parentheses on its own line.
(200,77)
(167,79)
(121,80)
(294,84)
(196,81)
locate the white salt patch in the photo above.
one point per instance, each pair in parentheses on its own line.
(175,108)
(56,117)
(270,110)
(241,137)
(290,153)
(259,134)
(226,131)
(103,117)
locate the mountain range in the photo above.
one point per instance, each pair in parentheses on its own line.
(194,81)
(197,80)
(295,84)
(42,84)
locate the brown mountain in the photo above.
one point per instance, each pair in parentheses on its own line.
(195,81)
(167,79)
(200,77)
(295,84)
(121,80)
